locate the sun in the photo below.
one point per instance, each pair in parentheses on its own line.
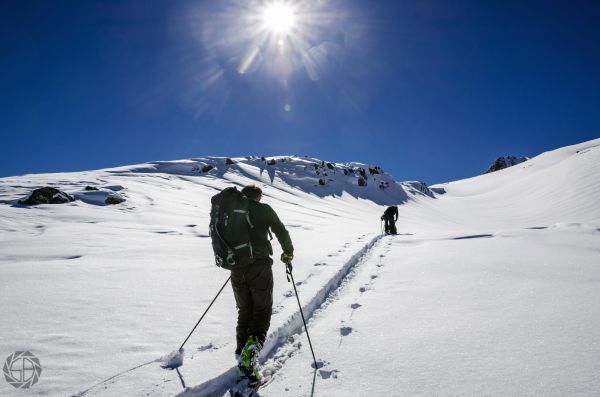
(279,17)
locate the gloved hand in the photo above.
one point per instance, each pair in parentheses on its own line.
(285,258)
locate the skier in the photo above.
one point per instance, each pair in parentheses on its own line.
(253,284)
(390,216)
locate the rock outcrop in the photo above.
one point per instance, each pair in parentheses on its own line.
(47,195)
(505,162)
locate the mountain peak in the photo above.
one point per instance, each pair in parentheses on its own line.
(504,162)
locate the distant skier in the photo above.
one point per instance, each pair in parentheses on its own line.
(253,284)
(390,216)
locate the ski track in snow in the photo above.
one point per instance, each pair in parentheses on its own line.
(281,344)
(360,273)
(284,341)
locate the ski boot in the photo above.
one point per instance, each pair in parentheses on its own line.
(248,361)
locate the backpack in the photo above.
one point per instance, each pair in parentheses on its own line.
(230,229)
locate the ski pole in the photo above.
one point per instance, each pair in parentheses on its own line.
(290,278)
(204,314)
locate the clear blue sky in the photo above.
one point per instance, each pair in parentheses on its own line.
(428,90)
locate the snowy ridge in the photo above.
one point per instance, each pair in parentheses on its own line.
(310,175)
(292,326)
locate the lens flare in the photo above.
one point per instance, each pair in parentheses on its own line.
(279,18)
(275,45)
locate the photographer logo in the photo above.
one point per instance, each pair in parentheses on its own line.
(22,369)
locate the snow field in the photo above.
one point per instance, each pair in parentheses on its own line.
(518,316)
(490,288)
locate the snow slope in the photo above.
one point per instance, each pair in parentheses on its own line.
(489,289)
(93,290)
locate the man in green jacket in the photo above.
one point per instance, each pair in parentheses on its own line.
(253,284)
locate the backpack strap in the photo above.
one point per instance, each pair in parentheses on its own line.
(247,213)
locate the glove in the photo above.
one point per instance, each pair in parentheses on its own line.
(285,258)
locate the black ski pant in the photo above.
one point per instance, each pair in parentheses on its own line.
(390,225)
(253,291)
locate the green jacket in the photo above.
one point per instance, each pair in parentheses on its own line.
(263,218)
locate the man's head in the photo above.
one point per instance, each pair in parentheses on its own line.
(253,192)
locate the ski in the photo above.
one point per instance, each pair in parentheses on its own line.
(244,389)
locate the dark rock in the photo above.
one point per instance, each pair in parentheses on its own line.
(229,161)
(271,162)
(322,182)
(114,199)
(362,173)
(262,158)
(88,188)
(47,195)
(207,168)
(375,170)
(504,162)
(362,181)
(330,166)
(421,187)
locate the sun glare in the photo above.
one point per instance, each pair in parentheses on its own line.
(279,18)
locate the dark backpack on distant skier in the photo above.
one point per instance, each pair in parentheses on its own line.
(230,229)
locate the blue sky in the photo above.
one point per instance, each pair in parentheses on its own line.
(428,90)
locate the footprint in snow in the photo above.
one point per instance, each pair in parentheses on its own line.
(328,374)
(209,347)
(288,294)
(345,331)
(277,309)
(320,364)
(355,306)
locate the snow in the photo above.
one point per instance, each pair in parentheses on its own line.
(172,360)
(489,289)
